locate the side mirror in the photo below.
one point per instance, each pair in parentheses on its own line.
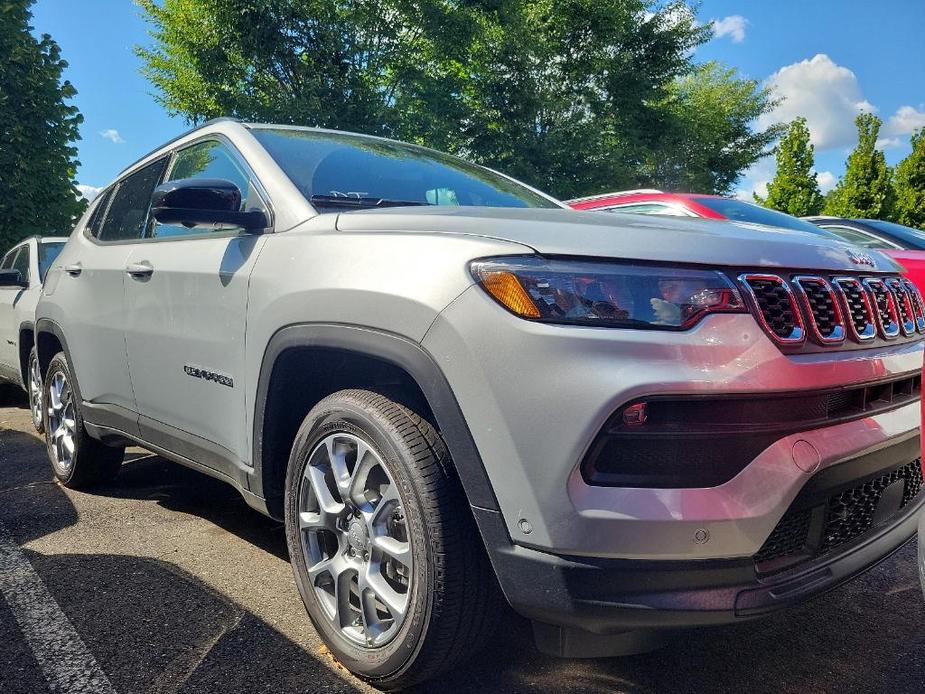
(207,201)
(12,278)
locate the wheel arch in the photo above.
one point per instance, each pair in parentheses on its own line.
(49,340)
(26,341)
(342,356)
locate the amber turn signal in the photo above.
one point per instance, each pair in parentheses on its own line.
(507,290)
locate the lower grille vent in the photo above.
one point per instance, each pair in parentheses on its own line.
(805,533)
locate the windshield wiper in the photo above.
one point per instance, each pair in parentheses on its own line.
(360,203)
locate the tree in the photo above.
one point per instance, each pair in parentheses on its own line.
(574,96)
(866,190)
(794,189)
(37,131)
(706,138)
(909,185)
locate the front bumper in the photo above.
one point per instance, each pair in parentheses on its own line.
(602,597)
(535,397)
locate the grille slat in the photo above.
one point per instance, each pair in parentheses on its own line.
(822,306)
(885,307)
(903,304)
(918,305)
(856,301)
(777,309)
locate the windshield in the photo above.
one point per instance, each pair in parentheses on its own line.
(48,251)
(741,211)
(329,166)
(908,235)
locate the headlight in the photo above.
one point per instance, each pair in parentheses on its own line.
(606,294)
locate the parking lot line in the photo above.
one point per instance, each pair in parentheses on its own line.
(65,660)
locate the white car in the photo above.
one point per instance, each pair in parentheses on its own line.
(22,272)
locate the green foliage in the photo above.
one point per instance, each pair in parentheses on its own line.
(794,189)
(705,137)
(574,96)
(866,190)
(909,185)
(37,158)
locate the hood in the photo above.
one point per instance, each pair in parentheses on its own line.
(629,237)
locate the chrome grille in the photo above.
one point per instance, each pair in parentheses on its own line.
(833,310)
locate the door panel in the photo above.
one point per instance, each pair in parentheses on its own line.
(185,336)
(88,292)
(9,298)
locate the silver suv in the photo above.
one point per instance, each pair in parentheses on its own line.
(451,389)
(22,271)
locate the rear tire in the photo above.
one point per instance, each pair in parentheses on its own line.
(359,456)
(36,389)
(77,459)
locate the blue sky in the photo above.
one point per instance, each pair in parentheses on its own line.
(830,59)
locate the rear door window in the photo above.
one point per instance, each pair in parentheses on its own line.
(128,211)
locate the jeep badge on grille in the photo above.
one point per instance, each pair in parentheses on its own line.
(859,258)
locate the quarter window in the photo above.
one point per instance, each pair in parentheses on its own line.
(210,159)
(95,223)
(128,212)
(8,259)
(21,262)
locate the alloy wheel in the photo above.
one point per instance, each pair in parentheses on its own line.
(355,540)
(35,392)
(62,424)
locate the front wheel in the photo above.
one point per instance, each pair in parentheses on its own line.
(385,552)
(35,387)
(78,460)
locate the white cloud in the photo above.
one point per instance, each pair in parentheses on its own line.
(755,180)
(826,181)
(826,94)
(732,26)
(887,142)
(905,121)
(112,134)
(89,192)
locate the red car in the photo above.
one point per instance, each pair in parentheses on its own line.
(648,201)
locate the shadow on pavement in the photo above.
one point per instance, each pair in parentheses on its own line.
(152,626)
(180,489)
(155,628)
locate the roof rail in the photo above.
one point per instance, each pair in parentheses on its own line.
(614,194)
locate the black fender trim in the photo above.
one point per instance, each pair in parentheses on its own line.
(400,352)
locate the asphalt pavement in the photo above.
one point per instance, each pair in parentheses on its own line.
(165,581)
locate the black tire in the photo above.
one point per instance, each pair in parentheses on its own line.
(35,408)
(454,600)
(92,462)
